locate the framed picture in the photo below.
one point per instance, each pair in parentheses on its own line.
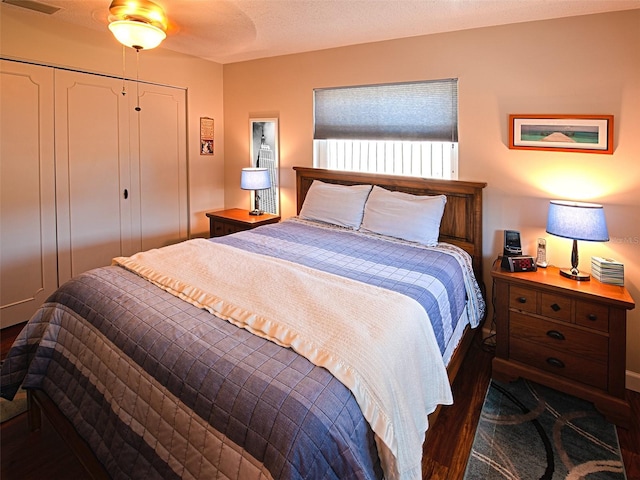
(206,136)
(562,133)
(263,134)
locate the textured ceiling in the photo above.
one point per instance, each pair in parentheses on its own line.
(235,30)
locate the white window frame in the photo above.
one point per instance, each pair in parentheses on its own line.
(393,157)
(415,141)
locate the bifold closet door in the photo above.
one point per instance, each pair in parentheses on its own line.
(159,165)
(92,169)
(122,172)
(28,267)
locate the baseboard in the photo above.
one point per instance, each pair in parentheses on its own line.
(632,381)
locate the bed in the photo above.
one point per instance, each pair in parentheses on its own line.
(280,352)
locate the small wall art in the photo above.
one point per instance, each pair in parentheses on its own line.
(206,136)
(563,133)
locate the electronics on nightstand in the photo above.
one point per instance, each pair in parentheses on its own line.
(512,244)
(521,263)
(541,259)
(512,258)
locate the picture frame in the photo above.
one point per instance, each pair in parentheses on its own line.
(264,153)
(562,133)
(206,136)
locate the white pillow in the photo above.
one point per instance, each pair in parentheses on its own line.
(337,204)
(405,216)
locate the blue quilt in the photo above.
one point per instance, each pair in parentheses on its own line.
(439,278)
(161,389)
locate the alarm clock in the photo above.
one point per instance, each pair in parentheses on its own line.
(522,263)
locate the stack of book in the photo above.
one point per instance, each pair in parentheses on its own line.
(607,270)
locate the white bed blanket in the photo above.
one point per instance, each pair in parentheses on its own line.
(378,343)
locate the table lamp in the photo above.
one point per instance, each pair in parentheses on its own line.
(577,221)
(255,179)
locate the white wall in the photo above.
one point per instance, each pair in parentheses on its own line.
(579,65)
(40,38)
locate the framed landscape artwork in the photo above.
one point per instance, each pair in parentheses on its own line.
(564,133)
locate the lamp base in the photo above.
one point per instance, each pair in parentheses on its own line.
(575,275)
(256,212)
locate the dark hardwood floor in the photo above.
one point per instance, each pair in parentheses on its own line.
(43,454)
(7,336)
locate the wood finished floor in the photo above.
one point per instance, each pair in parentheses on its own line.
(42,454)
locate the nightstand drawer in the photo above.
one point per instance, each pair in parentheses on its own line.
(229,229)
(592,315)
(217,229)
(573,341)
(556,306)
(559,363)
(220,229)
(522,299)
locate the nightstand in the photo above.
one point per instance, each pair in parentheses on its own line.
(224,222)
(567,335)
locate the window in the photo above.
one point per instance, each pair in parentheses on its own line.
(402,128)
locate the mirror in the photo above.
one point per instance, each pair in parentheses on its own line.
(264,154)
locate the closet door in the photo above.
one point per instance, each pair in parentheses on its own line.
(28,271)
(92,166)
(159,165)
(122,173)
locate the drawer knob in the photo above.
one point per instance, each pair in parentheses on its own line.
(592,316)
(555,307)
(522,299)
(554,362)
(555,334)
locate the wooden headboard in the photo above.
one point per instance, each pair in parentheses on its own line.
(462,220)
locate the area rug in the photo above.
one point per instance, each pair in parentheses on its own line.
(10,409)
(528,431)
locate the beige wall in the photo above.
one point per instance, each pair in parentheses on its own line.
(577,65)
(581,65)
(42,39)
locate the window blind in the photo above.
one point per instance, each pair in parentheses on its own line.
(426,111)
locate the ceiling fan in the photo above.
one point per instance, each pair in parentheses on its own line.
(139,24)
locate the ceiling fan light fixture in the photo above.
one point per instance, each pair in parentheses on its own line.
(139,24)
(138,35)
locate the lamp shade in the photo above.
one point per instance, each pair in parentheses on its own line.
(577,221)
(255,179)
(136,34)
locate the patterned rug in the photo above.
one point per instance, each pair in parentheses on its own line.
(10,409)
(528,431)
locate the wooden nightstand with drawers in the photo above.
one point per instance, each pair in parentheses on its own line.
(564,334)
(232,220)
